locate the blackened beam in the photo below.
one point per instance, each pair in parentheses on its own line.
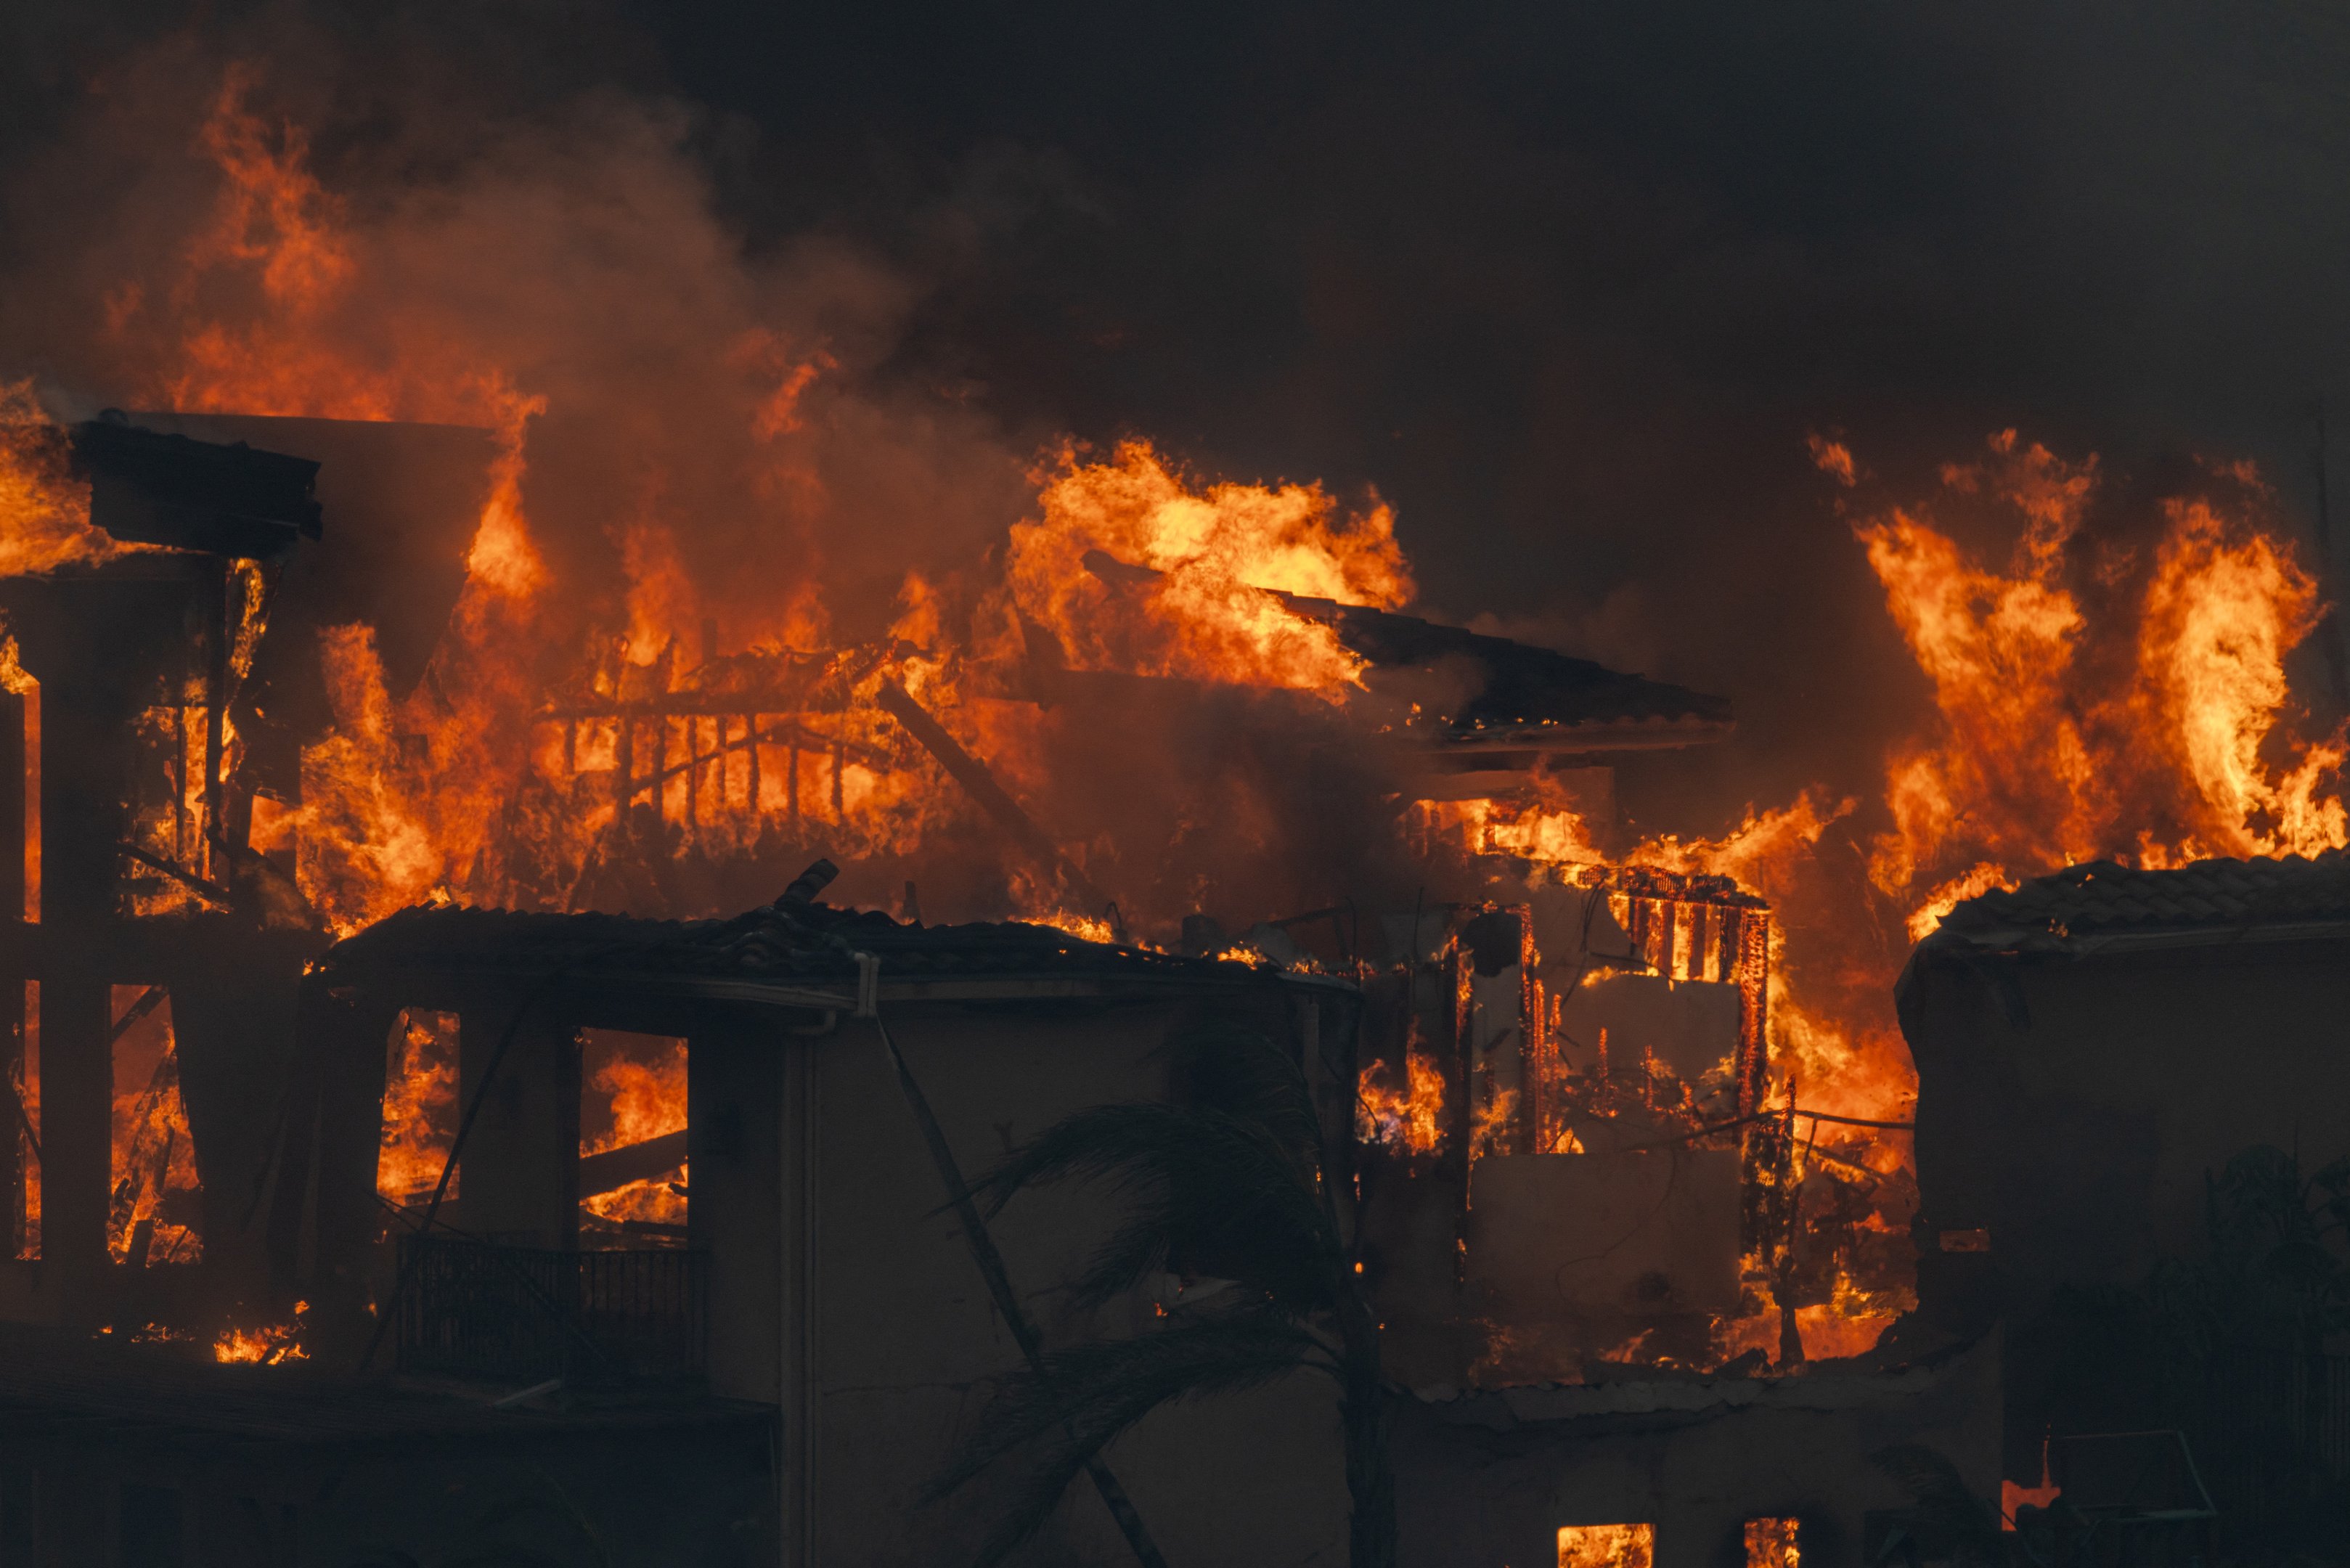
(149,1001)
(210,892)
(980,784)
(616,1168)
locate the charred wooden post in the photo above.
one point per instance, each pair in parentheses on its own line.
(1752,977)
(980,784)
(218,638)
(1456,967)
(87,726)
(624,764)
(328,1141)
(519,1172)
(1534,1047)
(233,1020)
(15,1144)
(751,791)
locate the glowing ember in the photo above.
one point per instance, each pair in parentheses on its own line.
(266,1346)
(1828,1333)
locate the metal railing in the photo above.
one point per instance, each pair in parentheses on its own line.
(2273,1433)
(482,1309)
(2273,1398)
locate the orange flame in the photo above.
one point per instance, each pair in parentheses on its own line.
(1607,1545)
(1771,1543)
(1409,1119)
(154,1155)
(419,1106)
(2037,759)
(647,1101)
(1217,549)
(44,509)
(266,1346)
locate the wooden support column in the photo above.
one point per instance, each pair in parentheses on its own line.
(76,1129)
(14,1152)
(85,731)
(745,1126)
(331,1138)
(1534,1048)
(518,1178)
(1753,980)
(1458,972)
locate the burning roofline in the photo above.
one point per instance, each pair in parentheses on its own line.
(2104,906)
(809,950)
(1620,711)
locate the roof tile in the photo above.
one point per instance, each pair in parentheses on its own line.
(2104,898)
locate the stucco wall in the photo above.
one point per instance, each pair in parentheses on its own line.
(1488,1479)
(905,1343)
(2071,1106)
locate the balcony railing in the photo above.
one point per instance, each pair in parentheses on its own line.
(524,1313)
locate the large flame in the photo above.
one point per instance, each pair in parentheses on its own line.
(647,1095)
(44,509)
(419,1106)
(2145,733)
(1217,549)
(1407,1118)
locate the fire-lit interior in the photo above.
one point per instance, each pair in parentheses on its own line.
(1607,1545)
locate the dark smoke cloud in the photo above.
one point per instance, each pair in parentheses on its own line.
(1571,284)
(1568,284)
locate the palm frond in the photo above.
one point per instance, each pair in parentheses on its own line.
(1087,1397)
(1951,1520)
(1200,1187)
(1227,1066)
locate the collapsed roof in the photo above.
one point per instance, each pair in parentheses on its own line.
(1526,697)
(1493,704)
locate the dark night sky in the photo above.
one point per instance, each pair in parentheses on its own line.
(1568,284)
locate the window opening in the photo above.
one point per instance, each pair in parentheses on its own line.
(419,1108)
(32,695)
(154,1215)
(1771,1543)
(1607,1546)
(24,1078)
(633,1188)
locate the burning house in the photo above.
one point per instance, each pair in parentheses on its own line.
(820,1270)
(623,1173)
(447,1111)
(341,1055)
(408,1004)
